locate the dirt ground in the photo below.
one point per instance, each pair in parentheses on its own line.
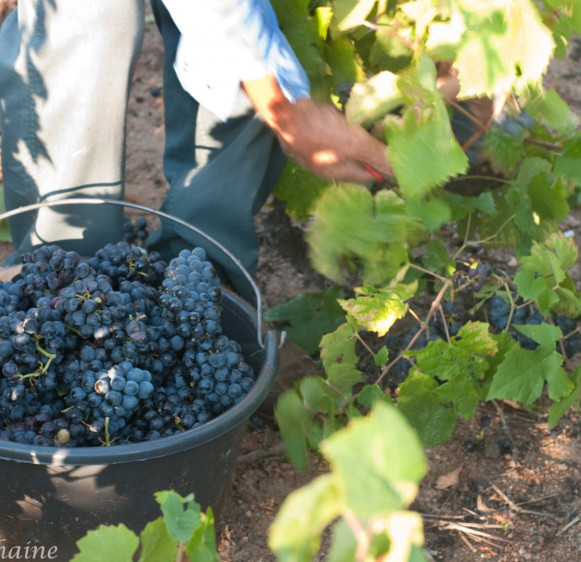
(478,502)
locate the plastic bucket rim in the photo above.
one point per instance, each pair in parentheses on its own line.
(161,214)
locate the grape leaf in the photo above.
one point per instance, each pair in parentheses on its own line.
(549,108)
(549,201)
(370,393)
(461,206)
(353,228)
(420,405)
(542,276)
(532,287)
(388,51)
(343,545)
(375,480)
(567,163)
(504,150)
(341,57)
(202,546)
(514,50)
(423,136)
(340,358)
(436,258)
(300,189)
(522,374)
(295,533)
(560,407)
(317,395)
(293,421)
(376,310)
(181,515)
(309,316)
(369,101)
(107,542)
(461,364)
(433,213)
(545,334)
(351,13)
(156,544)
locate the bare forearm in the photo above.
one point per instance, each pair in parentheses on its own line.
(317,136)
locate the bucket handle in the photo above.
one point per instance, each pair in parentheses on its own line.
(221,247)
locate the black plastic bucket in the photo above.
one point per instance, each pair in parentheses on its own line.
(52,496)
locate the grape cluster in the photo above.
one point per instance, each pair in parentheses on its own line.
(120,348)
(134,231)
(497,311)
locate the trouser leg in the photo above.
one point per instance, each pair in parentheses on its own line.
(65,73)
(220,173)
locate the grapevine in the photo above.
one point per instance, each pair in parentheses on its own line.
(430,323)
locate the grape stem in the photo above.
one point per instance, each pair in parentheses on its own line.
(42,368)
(436,305)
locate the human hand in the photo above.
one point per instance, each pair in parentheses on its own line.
(318,136)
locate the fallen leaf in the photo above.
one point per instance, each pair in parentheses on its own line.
(449,480)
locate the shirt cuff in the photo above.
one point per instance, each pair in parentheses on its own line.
(228,43)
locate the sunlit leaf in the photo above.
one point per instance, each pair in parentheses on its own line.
(114,543)
(374,478)
(295,533)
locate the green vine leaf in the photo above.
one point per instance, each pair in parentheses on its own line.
(351,13)
(202,546)
(567,163)
(156,543)
(182,516)
(354,233)
(295,533)
(523,373)
(300,189)
(572,400)
(340,358)
(376,310)
(107,542)
(421,406)
(373,479)
(516,34)
(422,147)
(542,276)
(461,365)
(294,422)
(309,316)
(374,98)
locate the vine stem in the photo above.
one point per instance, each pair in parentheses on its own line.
(436,305)
(381,28)
(486,240)
(478,177)
(180,554)
(362,538)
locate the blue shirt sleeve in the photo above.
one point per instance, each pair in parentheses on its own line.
(224,42)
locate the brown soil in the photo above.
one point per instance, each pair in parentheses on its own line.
(478,504)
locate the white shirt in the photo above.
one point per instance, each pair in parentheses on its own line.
(224,42)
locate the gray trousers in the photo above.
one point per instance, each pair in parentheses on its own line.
(65,74)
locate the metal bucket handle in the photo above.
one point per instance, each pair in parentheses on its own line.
(222,248)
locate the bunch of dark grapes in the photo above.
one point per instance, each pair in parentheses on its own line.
(499,312)
(135,231)
(447,321)
(121,348)
(473,278)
